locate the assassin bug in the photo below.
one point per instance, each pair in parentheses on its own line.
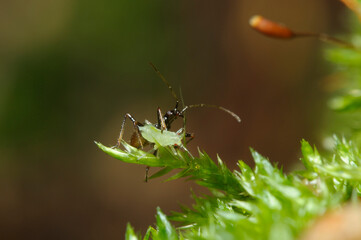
(163,121)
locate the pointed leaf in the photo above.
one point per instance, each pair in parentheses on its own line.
(164,229)
(129,233)
(178,175)
(310,156)
(161,172)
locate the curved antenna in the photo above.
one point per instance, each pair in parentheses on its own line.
(181,97)
(165,81)
(212,106)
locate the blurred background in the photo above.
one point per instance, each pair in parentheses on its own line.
(70,70)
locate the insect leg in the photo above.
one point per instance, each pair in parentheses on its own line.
(190,137)
(161,122)
(135,124)
(146,173)
(138,134)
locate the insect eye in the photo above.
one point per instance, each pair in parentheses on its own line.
(177,113)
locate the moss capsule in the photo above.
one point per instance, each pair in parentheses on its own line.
(270,28)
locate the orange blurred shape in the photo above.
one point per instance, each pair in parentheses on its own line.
(270,28)
(354,6)
(342,224)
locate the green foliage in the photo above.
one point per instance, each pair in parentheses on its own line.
(347,62)
(345,102)
(129,233)
(263,203)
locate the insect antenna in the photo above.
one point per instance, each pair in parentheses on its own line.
(184,116)
(212,106)
(165,81)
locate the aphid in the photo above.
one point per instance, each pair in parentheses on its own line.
(164,122)
(277,30)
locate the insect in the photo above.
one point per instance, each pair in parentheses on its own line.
(164,122)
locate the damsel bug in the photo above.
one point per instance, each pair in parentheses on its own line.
(163,121)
